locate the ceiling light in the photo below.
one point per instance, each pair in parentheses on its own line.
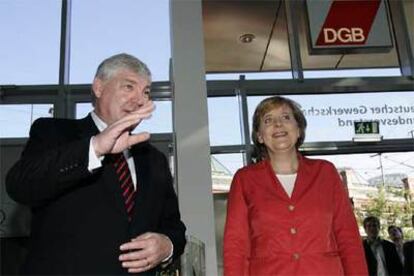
(247,38)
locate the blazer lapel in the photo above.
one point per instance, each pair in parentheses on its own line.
(277,186)
(304,179)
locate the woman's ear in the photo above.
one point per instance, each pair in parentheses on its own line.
(260,138)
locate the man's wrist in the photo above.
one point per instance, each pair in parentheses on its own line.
(168,259)
(95,147)
(94,161)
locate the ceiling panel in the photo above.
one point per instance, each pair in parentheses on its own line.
(225,21)
(277,56)
(377,60)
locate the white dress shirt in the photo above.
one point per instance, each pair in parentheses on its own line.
(378,251)
(96,162)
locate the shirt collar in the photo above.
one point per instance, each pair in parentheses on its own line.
(100,124)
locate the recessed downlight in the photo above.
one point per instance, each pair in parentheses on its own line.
(247,38)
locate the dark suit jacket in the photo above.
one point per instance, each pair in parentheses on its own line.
(393,262)
(79,218)
(409,258)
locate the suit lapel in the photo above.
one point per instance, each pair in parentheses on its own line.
(140,154)
(86,127)
(107,175)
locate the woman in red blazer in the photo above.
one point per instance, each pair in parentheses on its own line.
(287,214)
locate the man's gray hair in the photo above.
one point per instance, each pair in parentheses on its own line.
(113,64)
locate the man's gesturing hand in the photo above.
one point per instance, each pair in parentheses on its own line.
(116,137)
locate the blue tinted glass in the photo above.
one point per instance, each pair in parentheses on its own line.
(319,74)
(365,169)
(30,41)
(16,119)
(223,167)
(101,28)
(223,117)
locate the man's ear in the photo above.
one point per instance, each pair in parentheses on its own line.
(97,87)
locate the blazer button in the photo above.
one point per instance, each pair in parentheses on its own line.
(293,231)
(296,256)
(291,208)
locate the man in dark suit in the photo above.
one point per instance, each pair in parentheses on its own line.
(381,255)
(408,249)
(90,213)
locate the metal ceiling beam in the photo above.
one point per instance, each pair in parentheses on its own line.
(401,33)
(62,108)
(334,148)
(311,86)
(244,117)
(292,9)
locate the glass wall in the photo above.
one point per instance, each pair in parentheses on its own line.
(30,41)
(16,119)
(30,55)
(379,184)
(140,28)
(223,113)
(331,117)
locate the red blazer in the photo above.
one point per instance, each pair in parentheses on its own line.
(313,232)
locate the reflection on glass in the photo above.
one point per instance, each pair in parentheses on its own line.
(30,41)
(140,28)
(223,167)
(16,119)
(331,117)
(160,122)
(223,116)
(319,74)
(379,184)
(367,169)
(251,76)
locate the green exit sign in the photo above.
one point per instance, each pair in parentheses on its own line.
(370,127)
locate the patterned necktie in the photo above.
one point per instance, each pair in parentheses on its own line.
(127,187)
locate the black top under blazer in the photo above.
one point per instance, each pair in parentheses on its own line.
(78,217)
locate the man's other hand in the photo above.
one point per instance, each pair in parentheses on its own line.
(145,252)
